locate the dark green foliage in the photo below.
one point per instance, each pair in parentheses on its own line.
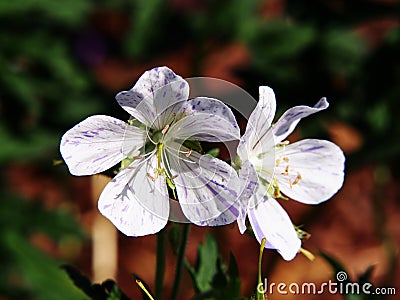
(42,86)
(362,279)
(107,290)
(211,277)
(26,271)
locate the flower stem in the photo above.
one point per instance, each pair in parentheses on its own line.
(260,288)
(179,263)
(160,264)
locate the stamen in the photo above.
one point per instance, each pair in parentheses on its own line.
(151,177)
(307,254)
(298,178)
(278,162)
(276,192)
(188,153)
(286,172)
(164,131)
(286,159)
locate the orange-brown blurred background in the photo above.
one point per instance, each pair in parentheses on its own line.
(63,62)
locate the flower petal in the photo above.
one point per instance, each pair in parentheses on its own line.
(258,125)
(155,98)
(205,119)
(287,123)
(207,187)
(98,143)
(135,204)
(249,184)
(319,167)
(270,221)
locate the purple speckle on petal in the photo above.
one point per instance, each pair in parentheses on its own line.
(100,158)
(312,148)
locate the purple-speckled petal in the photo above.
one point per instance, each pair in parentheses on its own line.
(205,119)
(134,203)
(287,123)
(156,97)
(98,143)
(256,137)
(249,184)
(270,221)
(207,187)
(318,166)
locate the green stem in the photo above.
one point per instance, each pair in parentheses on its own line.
(260,296)
(160,264)
(179,263)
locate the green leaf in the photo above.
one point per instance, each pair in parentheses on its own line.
(39,272)
(206,265)
(213,152)
(338,267)
(84,284)
(212,278)
(108,290)
(194,145)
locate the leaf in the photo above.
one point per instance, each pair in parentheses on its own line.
(39,272)
(108,290)
(194,145)
(213,152)
(362,279)
(211,277)
(337,266)
(84,284)
(113,291)
(206,264)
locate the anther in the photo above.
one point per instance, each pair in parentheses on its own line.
(173,177)
(278,162)
(151,177)
(290,183)
(284,143)
(276,192)
(286,159)
(298,178)
(164,131)
(286,172)
(188,153)
(137,157)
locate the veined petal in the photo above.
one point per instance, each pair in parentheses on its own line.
(287,123)
(249,184)
(98,143)
(270,221)
(156,97)
(133,202)
(313,172)
(256,135)
(207,187)
(205,119)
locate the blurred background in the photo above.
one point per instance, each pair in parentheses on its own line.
(61,61)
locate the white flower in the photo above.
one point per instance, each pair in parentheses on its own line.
(152,146)
(309,171)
